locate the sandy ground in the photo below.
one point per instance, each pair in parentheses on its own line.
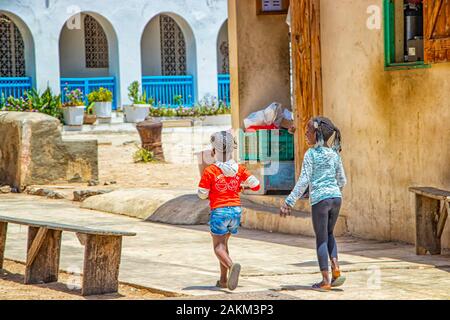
(12,288)
(116,163)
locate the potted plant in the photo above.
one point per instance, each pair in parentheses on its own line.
(89,116)
(102,102)
(73,108)
(140,108)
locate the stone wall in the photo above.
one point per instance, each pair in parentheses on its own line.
(32,152)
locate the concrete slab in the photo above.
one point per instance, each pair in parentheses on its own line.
(117,124)
(180,259)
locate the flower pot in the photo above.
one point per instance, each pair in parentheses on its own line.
(103,109)
(73,116)
(89,119)
(136,112)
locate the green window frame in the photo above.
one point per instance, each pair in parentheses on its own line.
(389,41)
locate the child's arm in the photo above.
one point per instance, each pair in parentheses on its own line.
(303,182)
(340,174)
(251,181)
(204,186)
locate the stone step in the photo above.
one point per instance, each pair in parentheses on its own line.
(117,124)
(266,218)
(275,201)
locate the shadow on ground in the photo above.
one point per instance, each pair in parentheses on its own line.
(373,249)
(55,286)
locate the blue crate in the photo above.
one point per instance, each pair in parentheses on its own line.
(282,179)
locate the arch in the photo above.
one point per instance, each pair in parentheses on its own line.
(83,57)
(151,45)
(19,58)
(223,61)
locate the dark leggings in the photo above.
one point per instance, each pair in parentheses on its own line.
(324,217)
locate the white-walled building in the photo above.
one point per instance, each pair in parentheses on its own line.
(173,47)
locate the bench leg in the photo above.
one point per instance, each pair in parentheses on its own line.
(427,238)
(3,229)
(43,252)
(101,264)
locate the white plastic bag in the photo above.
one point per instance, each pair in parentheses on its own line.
(254,119)
(270,115)
(288,115)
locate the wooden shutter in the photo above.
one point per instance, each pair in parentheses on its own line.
(437,30)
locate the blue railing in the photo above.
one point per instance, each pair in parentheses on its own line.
(224,88)
(14,86)
(87,85)
(163,89)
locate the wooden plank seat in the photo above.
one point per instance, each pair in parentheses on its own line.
(432,210)
(102,253)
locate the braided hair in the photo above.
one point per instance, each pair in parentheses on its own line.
(324,130)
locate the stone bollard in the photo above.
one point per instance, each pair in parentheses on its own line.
(150,132)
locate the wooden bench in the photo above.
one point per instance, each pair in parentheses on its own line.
(102,252)
(432,209)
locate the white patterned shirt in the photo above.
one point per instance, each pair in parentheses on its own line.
(323,173)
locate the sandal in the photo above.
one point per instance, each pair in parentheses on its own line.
(337,280)
(321,287)
(233,276)
(221,285)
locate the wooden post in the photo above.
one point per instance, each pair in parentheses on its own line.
(427,239)
(3,230)
(307,69)
(442,218)
(44,247)
(101,264)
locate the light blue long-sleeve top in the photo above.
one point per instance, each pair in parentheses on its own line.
(323,173)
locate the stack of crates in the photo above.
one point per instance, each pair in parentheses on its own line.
(269,155)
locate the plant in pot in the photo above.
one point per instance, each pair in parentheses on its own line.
(73,108)
(101,101)
(89,116)
(140,108)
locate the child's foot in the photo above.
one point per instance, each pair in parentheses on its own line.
(233,276)
(220,284)
(321,287)
(337,280)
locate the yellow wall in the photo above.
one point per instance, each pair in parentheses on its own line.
(259,59)
(395,124)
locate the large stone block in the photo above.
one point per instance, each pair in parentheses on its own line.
(32,152)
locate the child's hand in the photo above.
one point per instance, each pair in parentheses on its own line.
(292,129)
(285,210)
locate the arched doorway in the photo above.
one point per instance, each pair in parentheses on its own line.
(223,64)
(169,61)
(88,54)
(17,63)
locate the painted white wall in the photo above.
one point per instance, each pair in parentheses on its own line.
(128,19)
(72,52)
(223,36)
(151,49)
